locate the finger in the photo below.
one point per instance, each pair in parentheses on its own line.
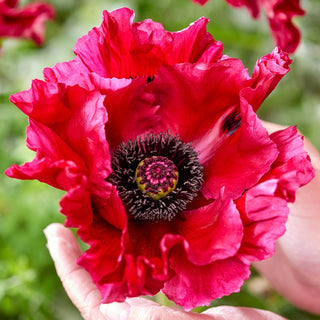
(146,309)
(241,313)
(78,284)
(294,269)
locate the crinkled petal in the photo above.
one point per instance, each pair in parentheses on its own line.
(194,285)
(71,73)
(292,167)
(131,266)
(183,90)
(241,160)
(49,164)
(143,268)
(107,50)
(74,118)
(253,6)
(105,241)
(210,233)
(192,97)
(131,110)
(137,279)
(67,131)
(124,49)
(42,102)
(120,46)
(280,14)
(194,44)
(50,167)
(60,174)
(267,73)
(76,205)
(264,216)
(106,237)
(263,208)
(26,22)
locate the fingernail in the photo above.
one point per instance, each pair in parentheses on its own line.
(116,310)
(52,230)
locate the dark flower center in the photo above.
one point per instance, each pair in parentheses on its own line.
(156,176)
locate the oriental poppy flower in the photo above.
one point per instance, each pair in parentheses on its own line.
(170,176)
(27,22)
(280,14)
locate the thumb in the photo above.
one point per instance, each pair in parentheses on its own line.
(241,313)
(65,251)
(145,309)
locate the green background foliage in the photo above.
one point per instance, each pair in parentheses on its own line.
(29,286)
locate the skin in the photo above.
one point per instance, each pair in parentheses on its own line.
(294,270)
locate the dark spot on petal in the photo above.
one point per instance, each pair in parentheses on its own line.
(231,122)
(150,78)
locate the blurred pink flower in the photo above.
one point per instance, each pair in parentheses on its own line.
(280,14)
(170,176)
(27,22)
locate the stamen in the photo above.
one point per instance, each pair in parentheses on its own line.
(156,176)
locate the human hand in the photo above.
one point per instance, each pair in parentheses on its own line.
(82,291)
(294,270)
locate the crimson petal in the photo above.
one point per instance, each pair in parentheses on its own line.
(242,160)
(26,22)
(124,49)
(279,13)
(210,233)
(224,276)
(264,216)
(67,132)
(292,167)
(192,97)
(267,73)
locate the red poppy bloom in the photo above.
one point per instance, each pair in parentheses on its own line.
(280,14)
(27,22)
(170,176)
